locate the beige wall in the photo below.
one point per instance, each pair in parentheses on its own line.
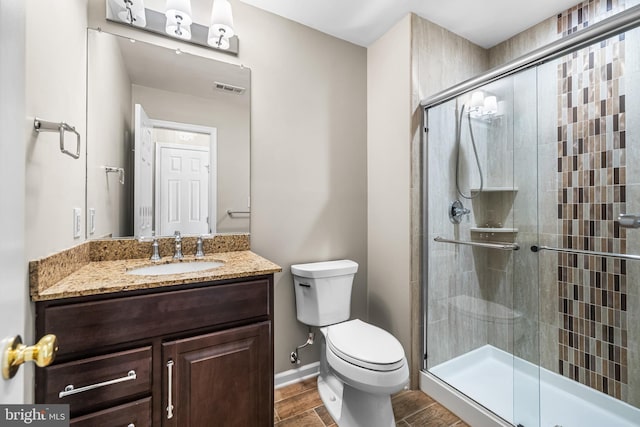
(308,150)
(55,91)
(413,60)
(388,162)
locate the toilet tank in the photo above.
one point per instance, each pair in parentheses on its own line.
(323,291)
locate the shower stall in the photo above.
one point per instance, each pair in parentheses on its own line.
(531,225)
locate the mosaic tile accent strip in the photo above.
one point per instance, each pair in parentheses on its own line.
(592,291)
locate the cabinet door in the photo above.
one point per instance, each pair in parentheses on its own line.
(220,379)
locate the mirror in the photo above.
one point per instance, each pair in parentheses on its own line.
(168,141)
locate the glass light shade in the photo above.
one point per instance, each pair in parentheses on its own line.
(179,20)
(137,12)
(490,105)
(221,21)
(180,31)
(178,10)
(477,100)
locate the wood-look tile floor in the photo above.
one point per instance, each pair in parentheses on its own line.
(299,405)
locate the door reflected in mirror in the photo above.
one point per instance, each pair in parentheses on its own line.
(178,125)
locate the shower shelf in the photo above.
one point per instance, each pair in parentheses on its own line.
(502,230)
(495,190)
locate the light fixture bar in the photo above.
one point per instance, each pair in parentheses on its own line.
(156,23)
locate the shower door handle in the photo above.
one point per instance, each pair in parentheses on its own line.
(629,220)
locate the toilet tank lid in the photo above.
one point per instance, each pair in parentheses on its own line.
(325,268)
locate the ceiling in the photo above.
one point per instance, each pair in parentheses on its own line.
(486,23)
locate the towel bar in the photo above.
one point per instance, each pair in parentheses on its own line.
(45,126)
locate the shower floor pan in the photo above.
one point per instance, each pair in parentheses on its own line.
(488,374)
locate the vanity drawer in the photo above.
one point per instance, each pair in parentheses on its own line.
(137,414)
(90,384)
(84,326)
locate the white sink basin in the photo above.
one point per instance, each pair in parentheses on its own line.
(175,268)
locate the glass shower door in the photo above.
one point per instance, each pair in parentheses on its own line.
(482,186)
(589,168)
(547,333)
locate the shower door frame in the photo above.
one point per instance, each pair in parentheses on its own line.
(624,21)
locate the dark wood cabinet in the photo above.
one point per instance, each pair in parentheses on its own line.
(136,414)
(220,378)
(205,349)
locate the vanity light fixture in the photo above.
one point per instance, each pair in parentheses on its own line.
(132,12)
(477,99)
(221,28)
(484,106)
(176,21)
(178,13)
(490,105)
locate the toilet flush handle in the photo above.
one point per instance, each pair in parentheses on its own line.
(304,285)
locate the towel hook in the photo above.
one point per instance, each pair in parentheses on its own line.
(62,127)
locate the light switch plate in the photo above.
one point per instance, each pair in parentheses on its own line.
(77,222)
(92,220)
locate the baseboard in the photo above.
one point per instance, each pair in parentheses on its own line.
(296,375)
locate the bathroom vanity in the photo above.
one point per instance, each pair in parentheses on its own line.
(163,353)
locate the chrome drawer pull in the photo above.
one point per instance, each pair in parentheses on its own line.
(170,386)
(70,389)
(131,425)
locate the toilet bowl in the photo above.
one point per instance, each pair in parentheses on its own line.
(366,356)
(361,365)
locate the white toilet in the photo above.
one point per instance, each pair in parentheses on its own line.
(361,365)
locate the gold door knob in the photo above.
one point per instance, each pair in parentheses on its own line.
(15,354)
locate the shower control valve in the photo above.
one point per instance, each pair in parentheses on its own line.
(457,211)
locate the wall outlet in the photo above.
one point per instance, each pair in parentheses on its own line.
(77,223)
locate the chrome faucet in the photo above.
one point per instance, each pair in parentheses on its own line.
(199,248)
(155,256)
(178,243)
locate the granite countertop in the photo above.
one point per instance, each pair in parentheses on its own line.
(102,277)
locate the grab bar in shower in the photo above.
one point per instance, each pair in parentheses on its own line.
(496,245)
(536,248)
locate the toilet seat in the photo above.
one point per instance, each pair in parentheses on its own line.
(365,346)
